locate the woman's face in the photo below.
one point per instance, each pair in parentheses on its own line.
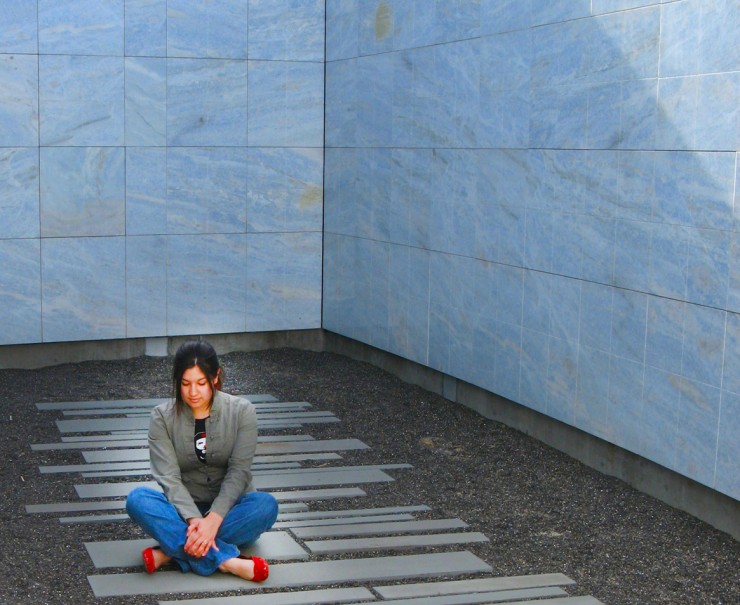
(196,390)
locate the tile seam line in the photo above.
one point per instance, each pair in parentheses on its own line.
(190,234)
(186,57)
(579,279)
(41,329)
(474,148)
(323,179)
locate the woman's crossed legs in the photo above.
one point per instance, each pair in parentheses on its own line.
(253,514)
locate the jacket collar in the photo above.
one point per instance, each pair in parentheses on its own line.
(218,403)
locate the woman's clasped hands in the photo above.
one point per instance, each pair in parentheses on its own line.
(201,534)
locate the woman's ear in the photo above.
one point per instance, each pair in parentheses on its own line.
(218,382)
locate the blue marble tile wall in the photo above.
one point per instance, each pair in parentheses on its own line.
(161,167)
(541,197)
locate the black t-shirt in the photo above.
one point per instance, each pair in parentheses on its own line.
(199,440)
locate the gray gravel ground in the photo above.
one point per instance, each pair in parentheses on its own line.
(543,511)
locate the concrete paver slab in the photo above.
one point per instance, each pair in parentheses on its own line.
(393,527)
(90,438)
(123,517)
(287,575)
(79,405)
(506,596)
(74,507)
(89,405)
(112,518)
(257,469)
(102,505)
(357,512)
(101,467)
(295,523)
(259,462)
(273,546)
(264,448)
(261,408)
(116,490)
(558,601)
(343,469)
(304,597)
(430,589)
(99,425)
(348,545)
(262,482)
(81,445)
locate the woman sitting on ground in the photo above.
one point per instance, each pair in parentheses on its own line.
(209,509)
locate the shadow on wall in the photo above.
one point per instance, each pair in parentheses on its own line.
(539,198)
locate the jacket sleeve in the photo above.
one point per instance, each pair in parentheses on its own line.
(166,470)
(238,476)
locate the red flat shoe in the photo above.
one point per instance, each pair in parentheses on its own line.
(261,569)
(148,555)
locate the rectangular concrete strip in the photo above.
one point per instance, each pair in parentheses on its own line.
(76,507)
(264,448)
(91,438)
(260,462)
(271,413)
(112,411)
(304,597)
(300,478)
(116,490)
(558,601)
(99,425)
(294,496)
(393,527)
(348,545)
(506,596)
(296,457)
(348,468)
(273,545)
(297,422)
(358,512)
(102,505)
(81,405)
(102,467)
(295,523)
(319,494)
(115,518)
(88,405)
(144,469)
(262,482)
(318,445)
(138,472)
(290,575)
(292,414)
(262,408)
(111,474)
(119,517)
(432,589)
(81,445)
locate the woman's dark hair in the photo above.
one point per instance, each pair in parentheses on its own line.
(190,354)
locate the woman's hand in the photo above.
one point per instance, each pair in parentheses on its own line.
(201,535)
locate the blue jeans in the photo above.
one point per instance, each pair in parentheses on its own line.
(252,514)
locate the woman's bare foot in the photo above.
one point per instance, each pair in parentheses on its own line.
(160,558)
(244,568)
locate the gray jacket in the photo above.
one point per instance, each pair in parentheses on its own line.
(231,430)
